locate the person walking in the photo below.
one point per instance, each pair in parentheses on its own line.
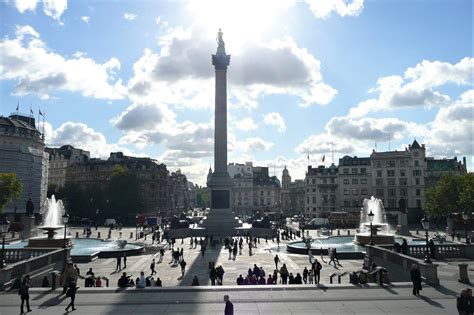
(229,307)
(119,263)
(152,267)
(183,267)
(213,275)
(25,293)
(415,276)
(162,253)
(316,267)
(234,250)
(71,292)
(276,260)
(124,260)
(305,275)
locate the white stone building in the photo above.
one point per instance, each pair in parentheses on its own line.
(22,152)
(60,159)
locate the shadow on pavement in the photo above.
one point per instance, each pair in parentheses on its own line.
(200,267)
(431,302)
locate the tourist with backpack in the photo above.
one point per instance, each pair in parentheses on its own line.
(24,293)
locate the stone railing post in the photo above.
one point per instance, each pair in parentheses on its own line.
(463,276)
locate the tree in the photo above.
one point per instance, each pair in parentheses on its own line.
(123,194)
(451,194)
(202,198)
(10,188)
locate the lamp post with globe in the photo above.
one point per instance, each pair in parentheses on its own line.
(4,223)
(425,222)
(371,219)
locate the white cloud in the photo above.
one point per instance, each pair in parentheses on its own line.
(25,5)
(144,117)
(81,136)
(38,70)
(54,8)
(323,8)
(180,76)
(129,16)
(253,145)
(451,133)
(161,22)
(245,124)
(86,19)
(275,119)
(417,87)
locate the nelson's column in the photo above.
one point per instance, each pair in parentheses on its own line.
(220,220)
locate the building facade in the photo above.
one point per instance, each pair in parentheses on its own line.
(321,191)
(178,193)
(22,152)
(151,175)
(355,183)
(242,191)
(60,159)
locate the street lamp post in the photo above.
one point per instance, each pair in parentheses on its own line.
(425,222)
(3,229)
(371,218)
(466,216)
(136,228)
(65,221)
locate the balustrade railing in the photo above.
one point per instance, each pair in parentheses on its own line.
(441,250)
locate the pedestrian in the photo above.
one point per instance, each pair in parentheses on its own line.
(310,276)
(119,263)
(141,281)
(45,282)
(458,236)
(316,267)
(404,247)
(152,267)
(229,307)
(284,274)
(250,249)
(124,260)
(234,250)
(305,275)
(203,251)
(276,260)
(24,293)
(332,257)
(195,282)
(69,274)
(213,275)
(415,276)
(181,253)
(432,248)
(191,242)
(220,275)
(77,269)
(230,252)
(183,267)
(71,292)
(162,253)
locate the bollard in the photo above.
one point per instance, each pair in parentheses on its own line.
(77,234)
(348,232)
(98,234)
(120,234)
(131,234)
(463,276)
(338,232)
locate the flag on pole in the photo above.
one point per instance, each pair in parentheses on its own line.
(31,110)
(41,114)
(323,158)
(18,106)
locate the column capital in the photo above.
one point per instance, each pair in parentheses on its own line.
(220,61)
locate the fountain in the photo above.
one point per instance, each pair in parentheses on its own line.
(379,224)
(52,222)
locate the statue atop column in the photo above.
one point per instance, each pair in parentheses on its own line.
(220,43)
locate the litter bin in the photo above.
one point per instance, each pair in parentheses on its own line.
(54,275)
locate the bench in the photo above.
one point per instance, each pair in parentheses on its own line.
(339,276)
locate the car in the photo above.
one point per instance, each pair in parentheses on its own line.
(110,222)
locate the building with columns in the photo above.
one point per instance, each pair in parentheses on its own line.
(22,151)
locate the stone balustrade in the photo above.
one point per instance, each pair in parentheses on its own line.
(448,250)
(36,262)
(397,262)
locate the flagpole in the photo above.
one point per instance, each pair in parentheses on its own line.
(44,115)
(332,152)
(39,110)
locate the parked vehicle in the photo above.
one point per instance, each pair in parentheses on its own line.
(110,222)
(317,223)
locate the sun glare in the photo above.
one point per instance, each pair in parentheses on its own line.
(241,21)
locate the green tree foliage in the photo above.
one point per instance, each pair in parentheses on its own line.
(202,198)
(451,194)
(10,188)
(123,194)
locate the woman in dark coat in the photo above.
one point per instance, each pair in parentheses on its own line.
(415,276)
(71,292)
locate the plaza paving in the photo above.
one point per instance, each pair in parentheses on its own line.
(177,297)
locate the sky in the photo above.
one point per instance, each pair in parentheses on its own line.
(307,79)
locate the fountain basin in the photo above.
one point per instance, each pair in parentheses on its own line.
(364,239)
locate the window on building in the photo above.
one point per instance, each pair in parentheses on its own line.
(392,203)
(333,180)
(307,199)
(403,192)
(379,163)
(391,192)
(403,173)
(355,203)
(268,193)
(354,170)
(363,170)
(418,192)
(347,191)
(314,199)
(416,172)
(391,181)
(355,181)
(391,173)
(345,170)
(379,181)
(417,181)
(379,192)
(346,181)
(417,163)
(261,193)
(379,173)
(325,180)
(363,181)
(313,181)
(402,163)
(418,203)
(403,181)
(347,203)
(355,191)
(314,190)
(391,163)
(363,191)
